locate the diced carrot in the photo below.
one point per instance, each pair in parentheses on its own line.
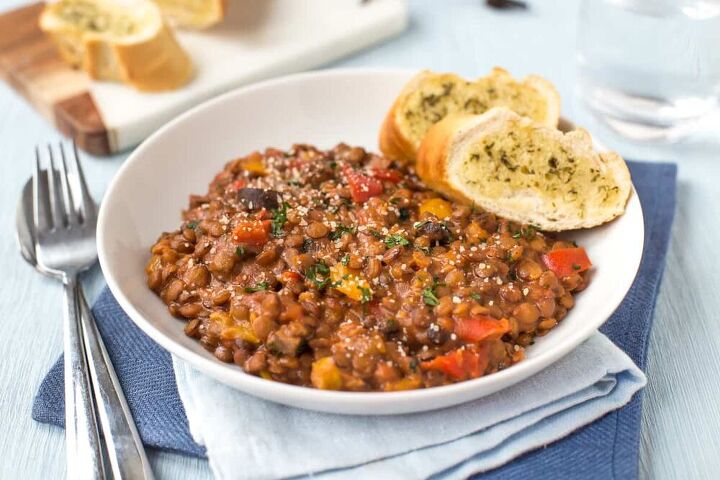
(566,261)
(252,232)
(481,327)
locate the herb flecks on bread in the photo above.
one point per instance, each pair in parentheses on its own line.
(123,41)
(524,171)
(429,97)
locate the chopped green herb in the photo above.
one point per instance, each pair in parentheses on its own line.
(395,200)
(575,266)
(279,219)
(403,213)
(257,288)
(417,225)
(294,183)
(517,235)
(318,274)
(333,165)
(192,225)
(477,297)
(429,297)
(345,259)
(366,295)
(240,251)
(396,240)
(375,233)
(340,231)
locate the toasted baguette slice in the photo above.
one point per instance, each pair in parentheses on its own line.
(193,13)
(118,40)
(524,171)
(429,97)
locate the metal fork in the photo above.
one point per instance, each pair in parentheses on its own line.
(65,218)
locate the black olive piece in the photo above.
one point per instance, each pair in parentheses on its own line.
(436,335)
(436,232)
(258,198)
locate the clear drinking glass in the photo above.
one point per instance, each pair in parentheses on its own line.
(650,65)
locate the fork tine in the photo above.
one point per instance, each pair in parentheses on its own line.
(89,210)
(57,206)
(41,217)
(70,210)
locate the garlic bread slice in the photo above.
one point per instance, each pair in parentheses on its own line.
(524,171)
(429,97)
(118,40)
(196,14)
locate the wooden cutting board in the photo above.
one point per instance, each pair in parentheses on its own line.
(259,39)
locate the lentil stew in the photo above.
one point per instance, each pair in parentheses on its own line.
(340,270)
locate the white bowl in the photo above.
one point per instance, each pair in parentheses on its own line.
(321,108)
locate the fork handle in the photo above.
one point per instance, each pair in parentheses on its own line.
(124,447)
(84,457)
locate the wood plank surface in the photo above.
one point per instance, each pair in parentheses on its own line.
(30,63)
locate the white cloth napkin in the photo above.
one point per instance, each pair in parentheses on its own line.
(247,437)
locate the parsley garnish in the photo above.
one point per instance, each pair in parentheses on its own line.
(429,297)
(428,294)
(375,233)
(257,288)
(425,250)
(395,240)
(345,259)
(240,251)
(517,235)
(366,294)
(404,213)
(333,165)
(279,219)
(575,266)
(318,274)
(192,225)
(477,297)
(340,231)
(417,225)
(294,183)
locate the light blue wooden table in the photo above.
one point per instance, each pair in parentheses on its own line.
(681,421)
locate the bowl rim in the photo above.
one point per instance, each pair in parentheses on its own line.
(265,388)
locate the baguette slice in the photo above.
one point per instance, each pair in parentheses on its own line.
(196,14)
(524,171)
(118,40)
(429,97)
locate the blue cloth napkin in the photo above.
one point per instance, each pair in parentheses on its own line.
(606,448)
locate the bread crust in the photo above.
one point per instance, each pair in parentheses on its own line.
(212,15)
(397,146)
(446,138)
(150,60)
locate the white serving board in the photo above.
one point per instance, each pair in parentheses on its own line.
(258,39)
